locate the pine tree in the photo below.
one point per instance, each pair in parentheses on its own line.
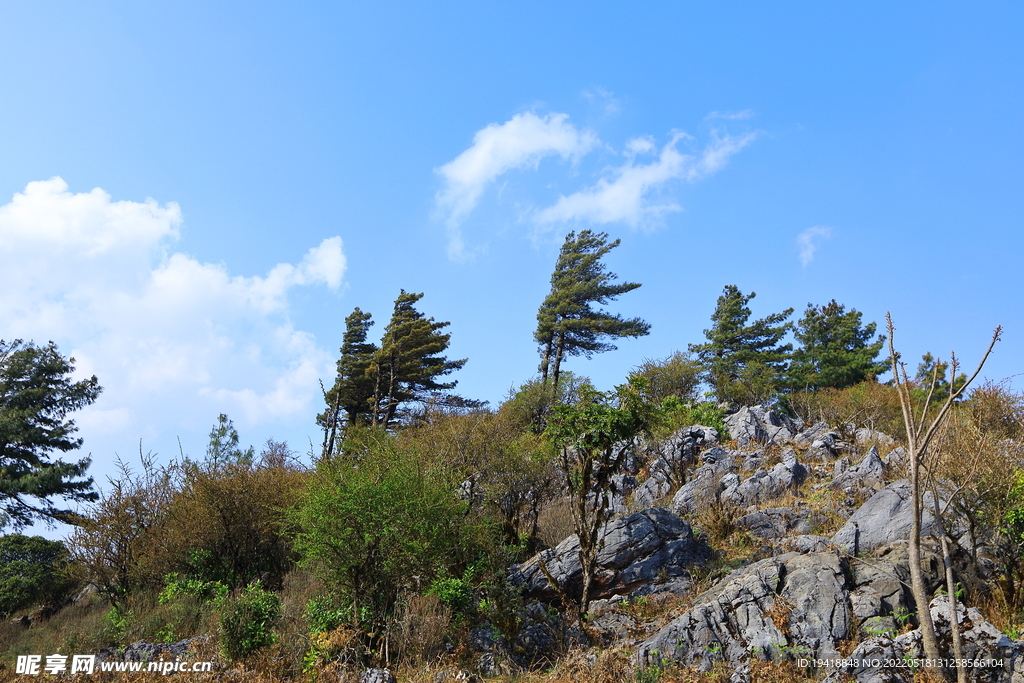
(353,387)
(409,361)
(36,395)
(567,323)
(741,360)
(835,349)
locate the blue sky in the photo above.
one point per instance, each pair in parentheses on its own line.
(193,196)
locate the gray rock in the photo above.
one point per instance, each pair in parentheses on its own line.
(807,543)
(751,425)
(883,519)
(794,603)
(815,432)
(705,484)
(865,436)
(775,523)
(640,551)
(869,473)
(764,485)
(669,460)
(378,676)
(981,641)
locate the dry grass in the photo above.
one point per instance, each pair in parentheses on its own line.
(555,522)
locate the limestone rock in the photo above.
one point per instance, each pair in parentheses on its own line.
(764,485)
(884,518)
(752,425)
(791,603)
(643,552)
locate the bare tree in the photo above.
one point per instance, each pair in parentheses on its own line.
(921,429)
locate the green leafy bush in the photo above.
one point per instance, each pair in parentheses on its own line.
(247,621)
(323,615)
(31,572)
(455,593)
(677,413)
(204,590)
(370,523)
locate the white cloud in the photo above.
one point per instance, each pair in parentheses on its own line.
(808,241)
(521,142)
(172,339)
(730,115)
(626,195)
(604,98)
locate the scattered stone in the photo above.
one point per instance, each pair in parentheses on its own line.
(776,523)
(378,676)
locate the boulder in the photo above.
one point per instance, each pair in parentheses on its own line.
(791,605)
(764,485)
(870,437)
(644,552)
(753,425)
(868,474)
(378,676)
(883,519)
(704,485)
(776,523)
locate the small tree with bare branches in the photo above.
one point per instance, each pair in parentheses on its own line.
(922,424)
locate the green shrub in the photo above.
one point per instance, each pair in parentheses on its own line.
(323,615)
(31,572)
(677,413)
(455,593)
(247,621)
(204,590)
(371,523)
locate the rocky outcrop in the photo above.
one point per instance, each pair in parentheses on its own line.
(755,425)
(764,485)
(886,517)
(645,552)
(982,642)
(868,474)
(706,481)
(669,460)
(778,523)
(794,603)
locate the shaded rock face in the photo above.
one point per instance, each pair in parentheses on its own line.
(981,641)
(886,517)
(753,425)
(776,523)
(645,552)
(704,486)
(794,603)
(669,460)
(378,676)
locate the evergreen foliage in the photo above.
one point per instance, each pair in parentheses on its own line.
(931,368)
(223,447)
(31,572)
(408,363)
(353,388)
(567,323)
(836,350)
(36,396)
(742,360)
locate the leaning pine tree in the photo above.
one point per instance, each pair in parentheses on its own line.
(567,322)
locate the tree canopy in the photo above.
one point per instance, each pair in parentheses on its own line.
(741,358)
(836,350)
(567,322)
(36,396)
